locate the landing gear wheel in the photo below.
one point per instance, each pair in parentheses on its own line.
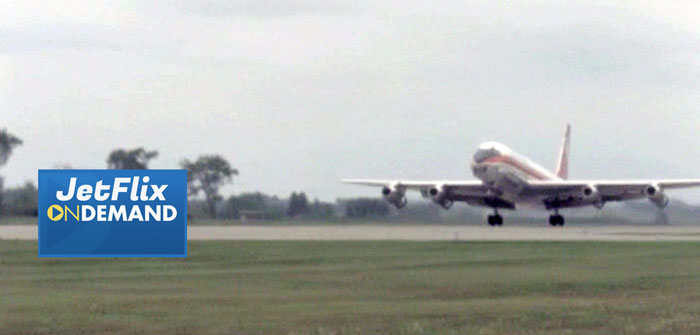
(495,220)
(556,220)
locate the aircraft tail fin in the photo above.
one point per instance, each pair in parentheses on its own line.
(563,163)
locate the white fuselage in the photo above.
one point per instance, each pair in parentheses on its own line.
(507,172)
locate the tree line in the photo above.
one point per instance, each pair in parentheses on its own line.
(205,176)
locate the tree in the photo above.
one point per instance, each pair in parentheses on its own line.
(261,205)
(293,201)
(366,207)
(207,174)
(8,142)
(298,204)
(302,204)
(135,159)
(322,210)
(21,200)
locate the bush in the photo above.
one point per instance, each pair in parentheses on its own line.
(20,201)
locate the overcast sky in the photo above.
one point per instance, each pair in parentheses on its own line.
(299,94)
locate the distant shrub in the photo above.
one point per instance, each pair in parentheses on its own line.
(20,201)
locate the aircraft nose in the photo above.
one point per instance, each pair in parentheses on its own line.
(483,154)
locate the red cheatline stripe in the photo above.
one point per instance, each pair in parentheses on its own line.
(518,165)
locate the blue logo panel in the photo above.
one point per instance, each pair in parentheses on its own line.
(112,213)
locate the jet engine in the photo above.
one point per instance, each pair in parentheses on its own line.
(590,192)
(656,195)
(439,196)
(395,195)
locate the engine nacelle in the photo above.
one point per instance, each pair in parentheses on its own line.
(395,195)
(656,195)
(652,191)
(590,192)
(439,196)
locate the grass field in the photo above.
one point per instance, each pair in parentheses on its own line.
(359,288)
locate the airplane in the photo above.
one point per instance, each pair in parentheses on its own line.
(507,179)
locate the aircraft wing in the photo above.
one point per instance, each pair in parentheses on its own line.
(472,192)
(475,187)
(553,194)
(611,186)
(570,193)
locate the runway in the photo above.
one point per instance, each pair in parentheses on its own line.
(417,233)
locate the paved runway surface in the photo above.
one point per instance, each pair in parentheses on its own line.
(419,233)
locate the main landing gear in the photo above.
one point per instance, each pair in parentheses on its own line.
(556,219)
(495,219)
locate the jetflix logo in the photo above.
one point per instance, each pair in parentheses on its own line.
(137,211)
(55,213)
(112,213)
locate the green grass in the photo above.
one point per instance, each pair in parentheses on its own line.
(359,288)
